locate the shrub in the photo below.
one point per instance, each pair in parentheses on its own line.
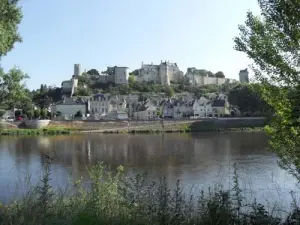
(36,114)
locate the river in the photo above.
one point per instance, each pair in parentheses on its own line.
(197,160)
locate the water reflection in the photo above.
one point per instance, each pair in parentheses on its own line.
(198,159)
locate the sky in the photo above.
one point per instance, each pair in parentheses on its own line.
(98,33)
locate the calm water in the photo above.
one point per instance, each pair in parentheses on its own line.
(199,160)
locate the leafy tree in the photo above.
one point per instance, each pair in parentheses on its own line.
(272,41)
(169,91)
(134,73)
(2,112)
(37,114)
(83,92)
(78,114)
(220,74)
(245,97)
(131,79)
(93,72)
(30,114)
(43,114)
(10,18)
(13,92)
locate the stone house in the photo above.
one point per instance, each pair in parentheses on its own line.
(99,104)
(146,111)
(183,109)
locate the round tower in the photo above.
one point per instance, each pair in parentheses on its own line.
(77,70)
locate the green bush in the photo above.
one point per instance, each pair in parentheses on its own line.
(36,113)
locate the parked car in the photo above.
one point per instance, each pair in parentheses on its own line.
(10,119)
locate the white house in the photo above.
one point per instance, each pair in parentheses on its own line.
(68,107)
(202,107)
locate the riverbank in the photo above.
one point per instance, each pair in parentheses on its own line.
(120,200)
(45,131)
(156,126)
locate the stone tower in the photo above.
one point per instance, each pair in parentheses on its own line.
(244,76)
(77,69)
(164,73)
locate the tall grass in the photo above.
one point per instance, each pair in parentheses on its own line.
(115,199)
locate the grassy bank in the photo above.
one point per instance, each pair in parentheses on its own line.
(115,199)
(183,129)
(45,131)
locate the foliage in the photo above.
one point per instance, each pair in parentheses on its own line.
(134,73)
(43,113)
(29,114)
(10,18)
(93,72)
(247,99)
(83,92)
(219,74)
(37,114)
(115,199)
(13,93)
(131,79)
(2,112)
(272,41)
(169,91)
(78,114)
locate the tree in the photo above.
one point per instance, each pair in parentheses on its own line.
(246,99)
(83,92)
(10,18)
(37,114)
(14,92)
(30,114)
(169,91)
(131,79)
(78,114)
(219,74)
(272,41)
(93,72)
(43,113)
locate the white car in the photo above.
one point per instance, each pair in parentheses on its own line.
(10,119)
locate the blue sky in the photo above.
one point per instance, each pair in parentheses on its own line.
(97,33)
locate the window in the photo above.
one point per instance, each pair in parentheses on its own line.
(102,110)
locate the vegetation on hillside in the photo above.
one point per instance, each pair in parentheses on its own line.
(272,41)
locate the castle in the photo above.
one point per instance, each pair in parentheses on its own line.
(198,77)
(164,73)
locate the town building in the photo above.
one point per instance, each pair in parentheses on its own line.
(202,107)
(244,76)
(99,104)
(146,111)
(68,108)
(164,73)
(221,108)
